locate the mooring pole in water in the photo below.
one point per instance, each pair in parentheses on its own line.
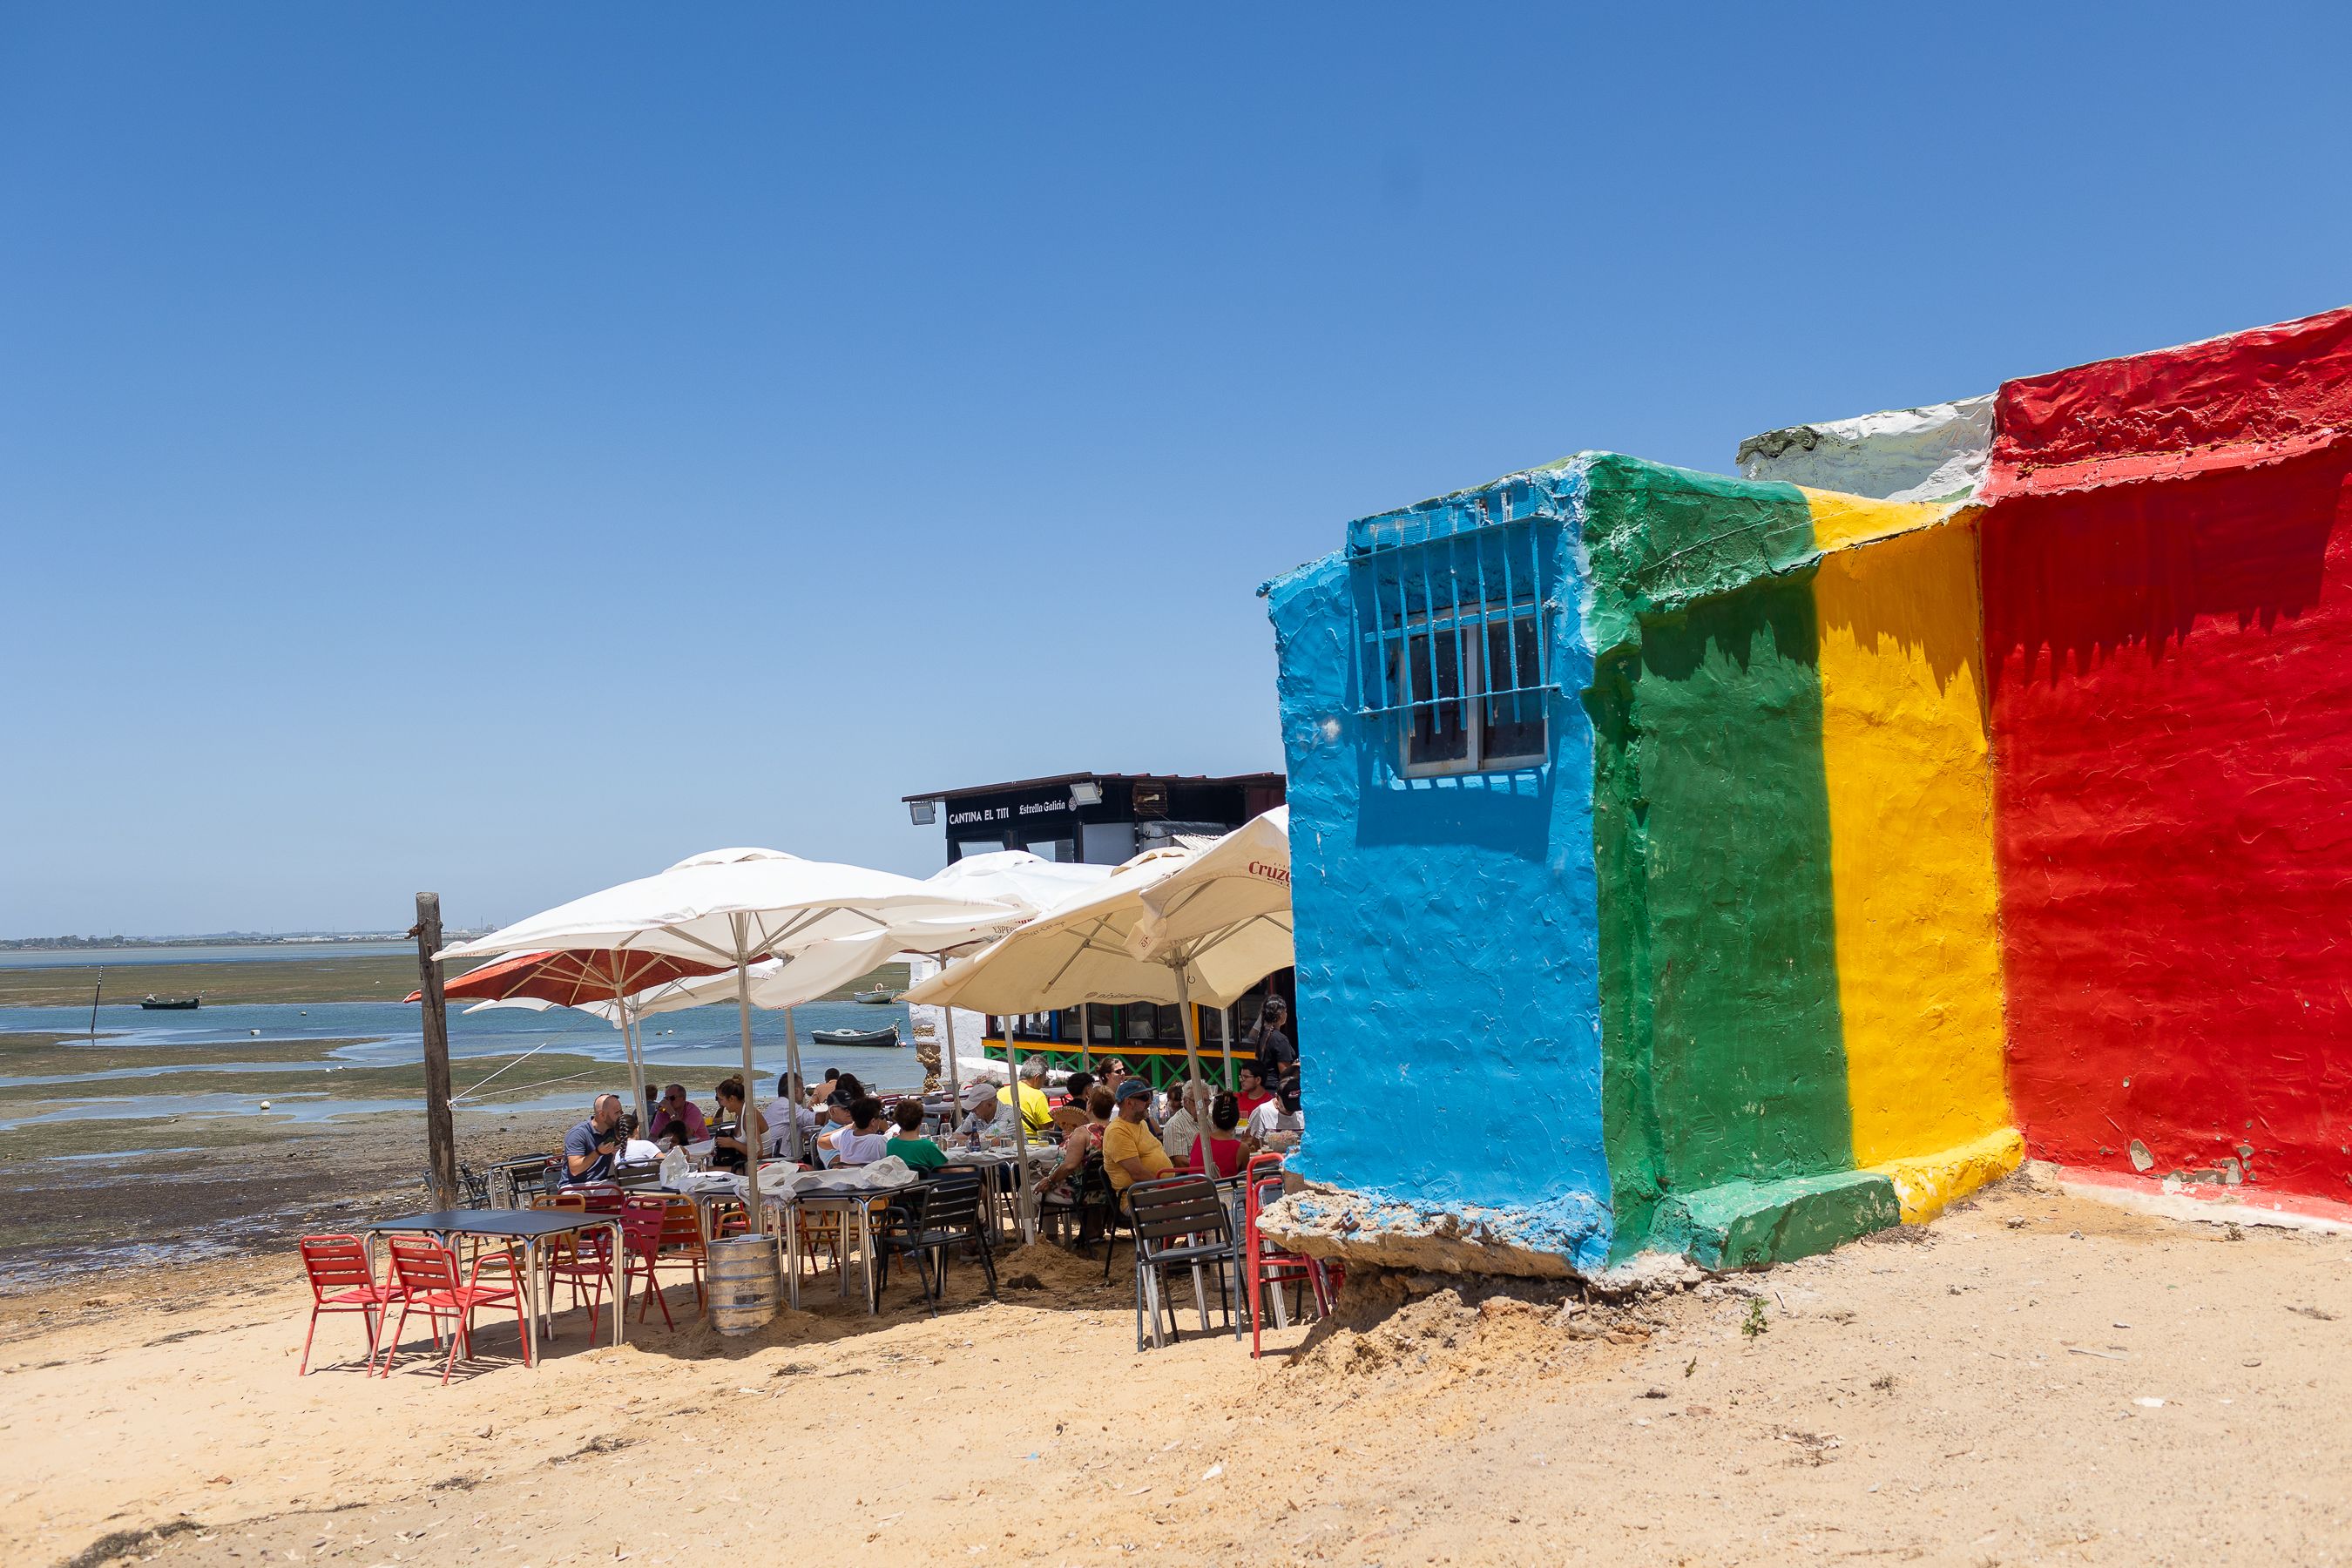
(440,1126)
(96,990)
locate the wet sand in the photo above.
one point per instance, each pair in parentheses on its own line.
(84,1195)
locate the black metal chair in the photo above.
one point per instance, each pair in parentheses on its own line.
(930,1217)
(1180,1222)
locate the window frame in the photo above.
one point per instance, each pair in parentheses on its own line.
(1476,695)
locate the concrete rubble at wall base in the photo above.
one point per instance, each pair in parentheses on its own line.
(1737,1225)
(1329,1222)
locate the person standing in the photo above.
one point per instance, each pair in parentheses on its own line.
(1277,1057)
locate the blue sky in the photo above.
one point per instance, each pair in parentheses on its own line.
(505,449)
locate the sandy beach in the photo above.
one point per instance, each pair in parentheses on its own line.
(2035,1378)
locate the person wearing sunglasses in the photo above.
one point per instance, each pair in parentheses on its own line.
(678,1118)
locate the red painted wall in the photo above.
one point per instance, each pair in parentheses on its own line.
(2171,667)
(2167,591)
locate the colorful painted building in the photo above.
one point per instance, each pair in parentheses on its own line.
(1729,867)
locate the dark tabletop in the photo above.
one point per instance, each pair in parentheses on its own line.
(496,1222)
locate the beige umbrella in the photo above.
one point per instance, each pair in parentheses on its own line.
(1086,950)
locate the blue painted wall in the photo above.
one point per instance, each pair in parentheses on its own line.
(1447,929)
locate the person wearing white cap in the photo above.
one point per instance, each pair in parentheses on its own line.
(982,1123)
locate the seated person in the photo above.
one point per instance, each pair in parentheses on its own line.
(843,1090)
(1177,1127)
(783,1114)
(1222,1142)
(909,1142)
(821,1092)
(590,1148)
(1131,1154)
(635,1150)
(1035,1108)
(1082,1141)
(740,1128)
(1278,1123)
(1071,1115)
(985,1120)
(679,1119)
(864,1140)
(1254,1090)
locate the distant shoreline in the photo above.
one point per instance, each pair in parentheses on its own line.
(220,938)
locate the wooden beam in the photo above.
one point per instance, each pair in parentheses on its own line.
(440,1125)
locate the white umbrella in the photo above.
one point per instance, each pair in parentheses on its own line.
(1083,951)
(1011,885)
(734,907)
(1227,909)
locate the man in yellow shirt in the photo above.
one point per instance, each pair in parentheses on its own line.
(1034,1109)
(1130,1153)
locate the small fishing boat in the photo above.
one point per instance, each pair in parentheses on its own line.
(875,998)
(884,1038)
(155,1004)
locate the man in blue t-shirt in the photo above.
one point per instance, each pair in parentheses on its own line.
(590,1148)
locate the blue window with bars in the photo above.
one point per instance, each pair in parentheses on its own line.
(1453,655)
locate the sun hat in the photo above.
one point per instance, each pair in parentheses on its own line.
(977,1094)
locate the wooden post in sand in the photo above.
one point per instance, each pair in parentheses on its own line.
(440,1127)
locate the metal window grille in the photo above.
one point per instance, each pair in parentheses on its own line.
(1453,649)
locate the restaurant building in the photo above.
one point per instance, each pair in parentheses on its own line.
(1103,819)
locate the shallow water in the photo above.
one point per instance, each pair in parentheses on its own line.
(696,1048)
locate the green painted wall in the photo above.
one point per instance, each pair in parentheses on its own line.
(1718,971)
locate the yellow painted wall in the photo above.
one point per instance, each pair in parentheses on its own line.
(1839,521)
(1910,791)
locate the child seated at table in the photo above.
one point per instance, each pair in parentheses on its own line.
(909,1142)
(862,1142)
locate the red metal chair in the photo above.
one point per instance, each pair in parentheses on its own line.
(601,1198)
(644,1221)
(586,1261)
(1268,1264)
(426,1276)
(681,1242)
(343,1280)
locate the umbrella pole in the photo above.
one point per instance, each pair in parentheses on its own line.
(1019,1137)
(1086,1037)
(800,1089)
(1192,1084)
(743,1016)
(948,1056)
(1225,1031)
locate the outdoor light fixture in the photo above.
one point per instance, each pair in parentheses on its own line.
(923,813)
(1087,793)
